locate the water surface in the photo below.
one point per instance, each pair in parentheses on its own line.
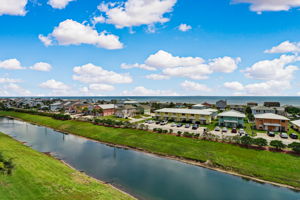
(143,175)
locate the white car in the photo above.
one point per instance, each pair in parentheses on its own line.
(242,131)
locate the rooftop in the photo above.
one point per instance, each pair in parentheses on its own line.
(232,113)
(270,116)
(186,111)
(296,122)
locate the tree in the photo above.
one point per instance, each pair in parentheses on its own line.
(260,142)
(246,140)
(277,144)
(295,146)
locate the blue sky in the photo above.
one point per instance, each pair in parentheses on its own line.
(149,47)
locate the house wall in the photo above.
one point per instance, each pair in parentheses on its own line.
(195,118)
(107,112)
(259,123)
(240,121)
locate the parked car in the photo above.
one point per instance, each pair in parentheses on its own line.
(234,130)
(293,136)
(187,126)
(217,129)
(284,135)
(271,134)
(195,127)
(173,125)
(157,122)
(163,123)
(179,125)
(242,131)
(224,130)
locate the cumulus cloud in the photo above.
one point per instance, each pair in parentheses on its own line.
(142,91)
(234,86)
(193,86)
(9,80)
(136,12)
(11,64)
(197,72)
(163,59)
(41,66)
(285,47)
(54,85)
(276,69)
(136,65)
(270,5)
(13,89)
(59,4)
(70,32)
(90,73)
(101,87)
(13,7)
(184,27)
(157,77)
(225,64)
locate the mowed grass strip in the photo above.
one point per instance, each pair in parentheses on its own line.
(38,176)
(270,166)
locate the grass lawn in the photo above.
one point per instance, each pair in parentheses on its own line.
(38,176)
(112,117)
(276,167)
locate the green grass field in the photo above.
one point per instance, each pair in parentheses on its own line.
(271,166)
(38,176)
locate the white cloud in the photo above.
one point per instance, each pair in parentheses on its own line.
(136,65)
(101,87)
(285,47)
(9,80)
(13,7)
(270,5)
(70,32)
(11,64)
(234,85)
(59,4)
(298,93)
(184,27)
(163,59)
(193,86)
(136,12)
(275,69)
(197,72)
(41,66)
(225,64)
(90,73)
(157,77)
(13,89)
(268,88)
(54,85)
(142,91)
(46,40)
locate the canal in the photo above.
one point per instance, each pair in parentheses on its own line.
(143,175)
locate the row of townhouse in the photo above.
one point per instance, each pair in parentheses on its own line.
(201,116)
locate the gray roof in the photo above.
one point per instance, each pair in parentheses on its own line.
(185,111)
(296,122)
(232,113)
(107,106)
(270,116)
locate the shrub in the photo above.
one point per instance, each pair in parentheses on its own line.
(277,144)
(179,133)
(246,140)
(295,146)
(260,142)
(6,165)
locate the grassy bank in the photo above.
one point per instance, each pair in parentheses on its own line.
(270,166)
(38,176)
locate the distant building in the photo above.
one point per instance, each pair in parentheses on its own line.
(221,104)
(271,122)
(252,104)
(265,109)
(296,125)
(199,106)
(144,109)
(232,119)
(240,108)
(56,106)
(272,104)
(126,111)
(107,109)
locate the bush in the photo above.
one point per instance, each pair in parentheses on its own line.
(179,133)
(295,146)
(6,165)
(246,140)
(61,117)
(260,142)
(277,144)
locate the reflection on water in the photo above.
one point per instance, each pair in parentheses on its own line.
(143,175)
